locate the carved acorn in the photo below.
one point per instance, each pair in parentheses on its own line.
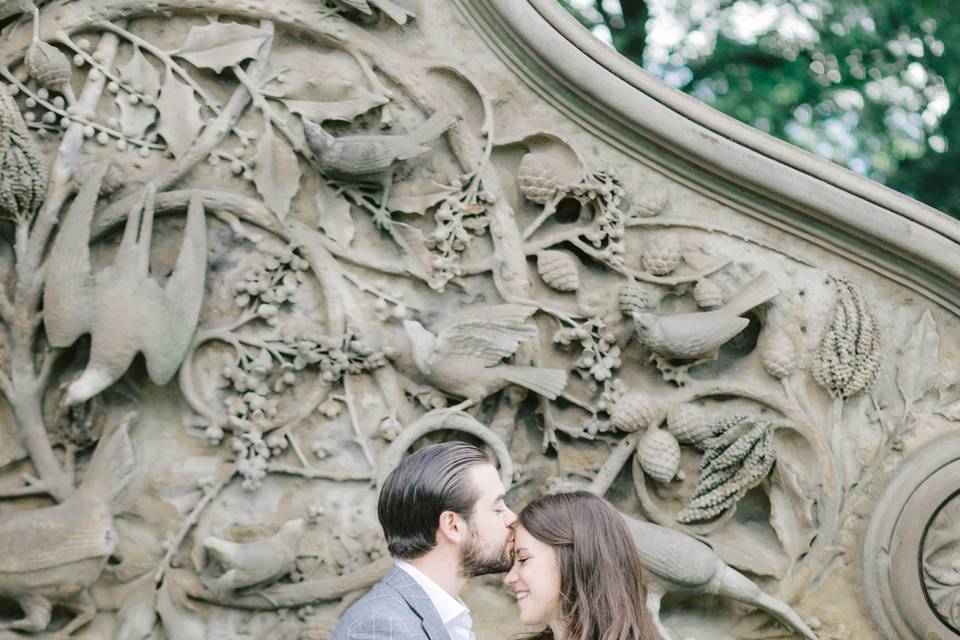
(633,411)
(659,454)
(662,257)
(538,178)
(633,298)
(559,269)
(23,179)
(688,423)
(779,356)
(48,66)
(708,295)
(848,358)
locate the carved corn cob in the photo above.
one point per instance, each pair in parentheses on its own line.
(848,358)
(734,461)
(23,179)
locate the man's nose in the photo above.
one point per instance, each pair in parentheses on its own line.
(509,517)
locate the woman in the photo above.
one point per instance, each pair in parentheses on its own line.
(576,571)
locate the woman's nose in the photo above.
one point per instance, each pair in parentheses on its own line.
(511,577)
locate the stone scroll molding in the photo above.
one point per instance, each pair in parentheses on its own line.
(252,254)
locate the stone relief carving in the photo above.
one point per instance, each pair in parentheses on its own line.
(330,249)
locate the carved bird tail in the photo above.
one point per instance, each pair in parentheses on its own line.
(754,293)
(394,11)
(433,127)
(733,584)
(547,382)
(113,463)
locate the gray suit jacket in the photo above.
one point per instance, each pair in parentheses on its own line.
(396,608)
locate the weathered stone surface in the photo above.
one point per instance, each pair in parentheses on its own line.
(329,224)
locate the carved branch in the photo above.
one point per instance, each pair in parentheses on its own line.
(294,595)
(312,473)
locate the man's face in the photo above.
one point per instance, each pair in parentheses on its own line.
(489,544)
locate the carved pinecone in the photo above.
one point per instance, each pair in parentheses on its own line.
(559,269)
(649,200)
(23,179)
(633,298)
(659,454)
(633,411)
(688,423)
(848,358)
(733,462)
(113,179)
(661,258)
(707,294)
(537,179)
(48,66)
(779,356)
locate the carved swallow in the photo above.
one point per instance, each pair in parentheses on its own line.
(463,358)
(122,307)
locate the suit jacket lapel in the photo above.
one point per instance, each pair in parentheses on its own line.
(419,601)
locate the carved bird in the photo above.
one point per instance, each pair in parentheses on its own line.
(463,358)
(394,11)
(678,563)
(694,335)
(354,157)
(259,562)
(52,555)
(124,309)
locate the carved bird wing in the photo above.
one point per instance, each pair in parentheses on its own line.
(673,555)
(68,302)
(37,539)
(165,342)
(489,333)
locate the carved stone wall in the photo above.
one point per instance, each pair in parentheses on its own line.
(253,252)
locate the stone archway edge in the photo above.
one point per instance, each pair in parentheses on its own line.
(824,197)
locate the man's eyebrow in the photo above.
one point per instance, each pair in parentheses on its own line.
(499,498)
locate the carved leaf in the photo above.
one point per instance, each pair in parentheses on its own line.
(749,548)
(919,357)
(329,99)
(140,74)
(951,412)
(416,196)
(145,79)
(221,44)
(277,173)
(412,243)
(333,215)
(791,510)
(180,121)
(137,614)
(180,620)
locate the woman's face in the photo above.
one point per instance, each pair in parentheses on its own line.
(535,578)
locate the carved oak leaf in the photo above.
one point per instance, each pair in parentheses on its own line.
(277,173)
(180,121)
(144,77)
(221,44)
(178,615)
(416,195)
(333,215)
(918,366)
(320,100)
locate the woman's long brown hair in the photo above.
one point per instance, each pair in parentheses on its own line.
(602,596)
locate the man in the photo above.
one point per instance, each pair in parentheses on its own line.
(443,514)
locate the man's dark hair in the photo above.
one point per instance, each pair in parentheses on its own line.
(425,484)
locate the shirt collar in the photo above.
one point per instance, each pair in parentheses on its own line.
(447,606)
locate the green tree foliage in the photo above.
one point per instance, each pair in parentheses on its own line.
(868,85)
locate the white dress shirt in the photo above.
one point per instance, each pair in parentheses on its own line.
(453,612)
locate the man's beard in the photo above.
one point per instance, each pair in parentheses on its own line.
(475,560)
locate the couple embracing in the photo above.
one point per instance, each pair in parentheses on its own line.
(569,557)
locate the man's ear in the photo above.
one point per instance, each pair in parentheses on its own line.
(451,527)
